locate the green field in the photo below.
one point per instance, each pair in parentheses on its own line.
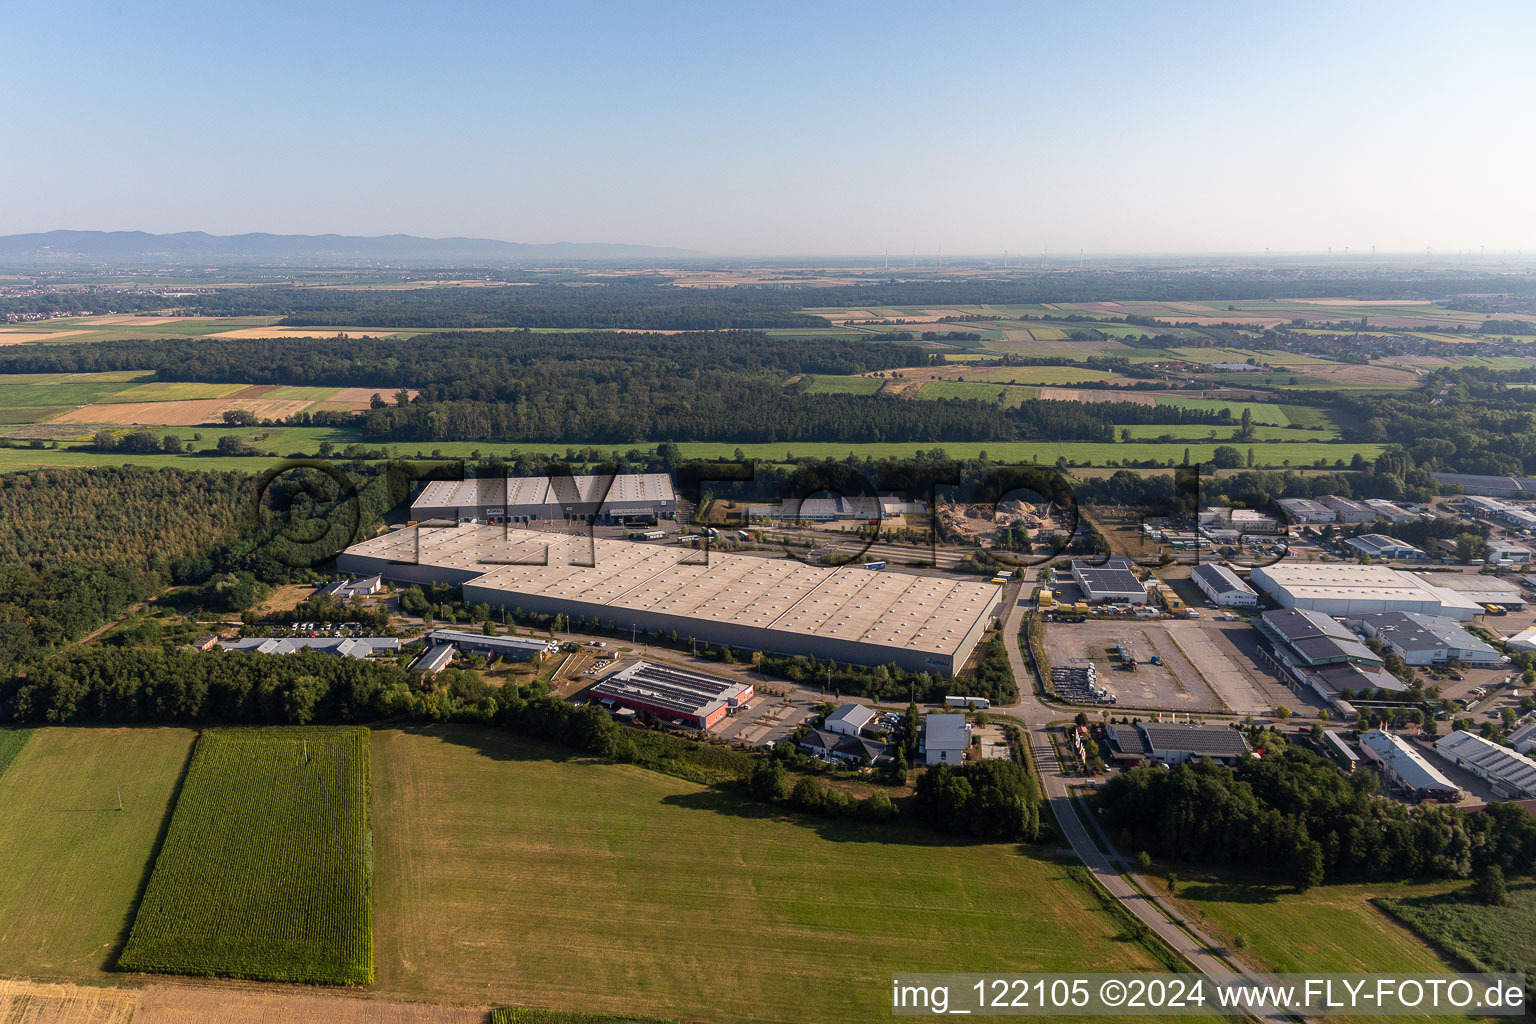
(1201,432)
(309,393)
(73,862)
(831,384)
(1046,375)
(175,391)
(1263,412)
(1494,939)
(1092,453)
(265,872)
(514,872)
(11,742)
(76,389)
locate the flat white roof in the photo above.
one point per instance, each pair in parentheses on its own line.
(930,614)
(624,488)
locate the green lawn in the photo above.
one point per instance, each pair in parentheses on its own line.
(510,872)
(265,872)
(73,863)
(832,384)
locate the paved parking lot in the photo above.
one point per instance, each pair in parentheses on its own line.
(1173,686)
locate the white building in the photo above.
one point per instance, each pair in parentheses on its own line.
(1379,545)
(1350,591)
(1305,510)
(1525,640)
(850,719)
(1405,768)
(1348,510)
(1391,511)
(1426,639)
(1523,739)
(1512,775)
(1222,586)
(1112,581)
(1478,588)
(945,738)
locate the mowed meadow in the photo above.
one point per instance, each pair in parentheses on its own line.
(511,871)
(504,871)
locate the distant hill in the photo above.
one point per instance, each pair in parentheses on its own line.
(140,247)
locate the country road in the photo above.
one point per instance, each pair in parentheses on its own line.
(1140,899)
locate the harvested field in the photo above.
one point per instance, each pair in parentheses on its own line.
(197,1004)
(189,412)
(366,394)
(28,1002)
(1085,395)
(304,332)
(22,337)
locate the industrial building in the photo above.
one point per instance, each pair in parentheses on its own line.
(1426,639)
(434,660)
(851,615)
(850,719)
(1512,775)
(1478,588)
(1305,510)
(1335,744)
(1392,512)
(1313,650)
(1488,486)
(945,738)
(673,693)
(341,647)
(1353,590)
(1112,581)
(1245,521)
(1222,586)
(1348,510)
(621,498)
(1405,769)
(1523,739)
(342,590)
(520,648)
(1379,545)
(1525,640)
(1174,744)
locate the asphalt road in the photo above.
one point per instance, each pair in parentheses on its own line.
(1188,941)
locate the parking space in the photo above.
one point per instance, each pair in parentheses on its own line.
(1172,684)
(1206,648)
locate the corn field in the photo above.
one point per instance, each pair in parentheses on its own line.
(266,870)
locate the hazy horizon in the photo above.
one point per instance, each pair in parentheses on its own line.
(797,131)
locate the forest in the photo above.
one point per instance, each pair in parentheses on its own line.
(654,303)
(115,536)
(1293,814)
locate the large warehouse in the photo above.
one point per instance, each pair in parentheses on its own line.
(1352,590)
(864,617)
(628,497)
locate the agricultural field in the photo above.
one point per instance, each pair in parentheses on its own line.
(515,872)
(81,811)
(1003,394)
(11,742)
(130,398)
(831,384)
(1202,432)
(1263,412)
(1494,939)
(265,871)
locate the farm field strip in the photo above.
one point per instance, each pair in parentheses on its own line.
(266,869)
(74,861)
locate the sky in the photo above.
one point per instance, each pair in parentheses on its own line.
(782,128)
